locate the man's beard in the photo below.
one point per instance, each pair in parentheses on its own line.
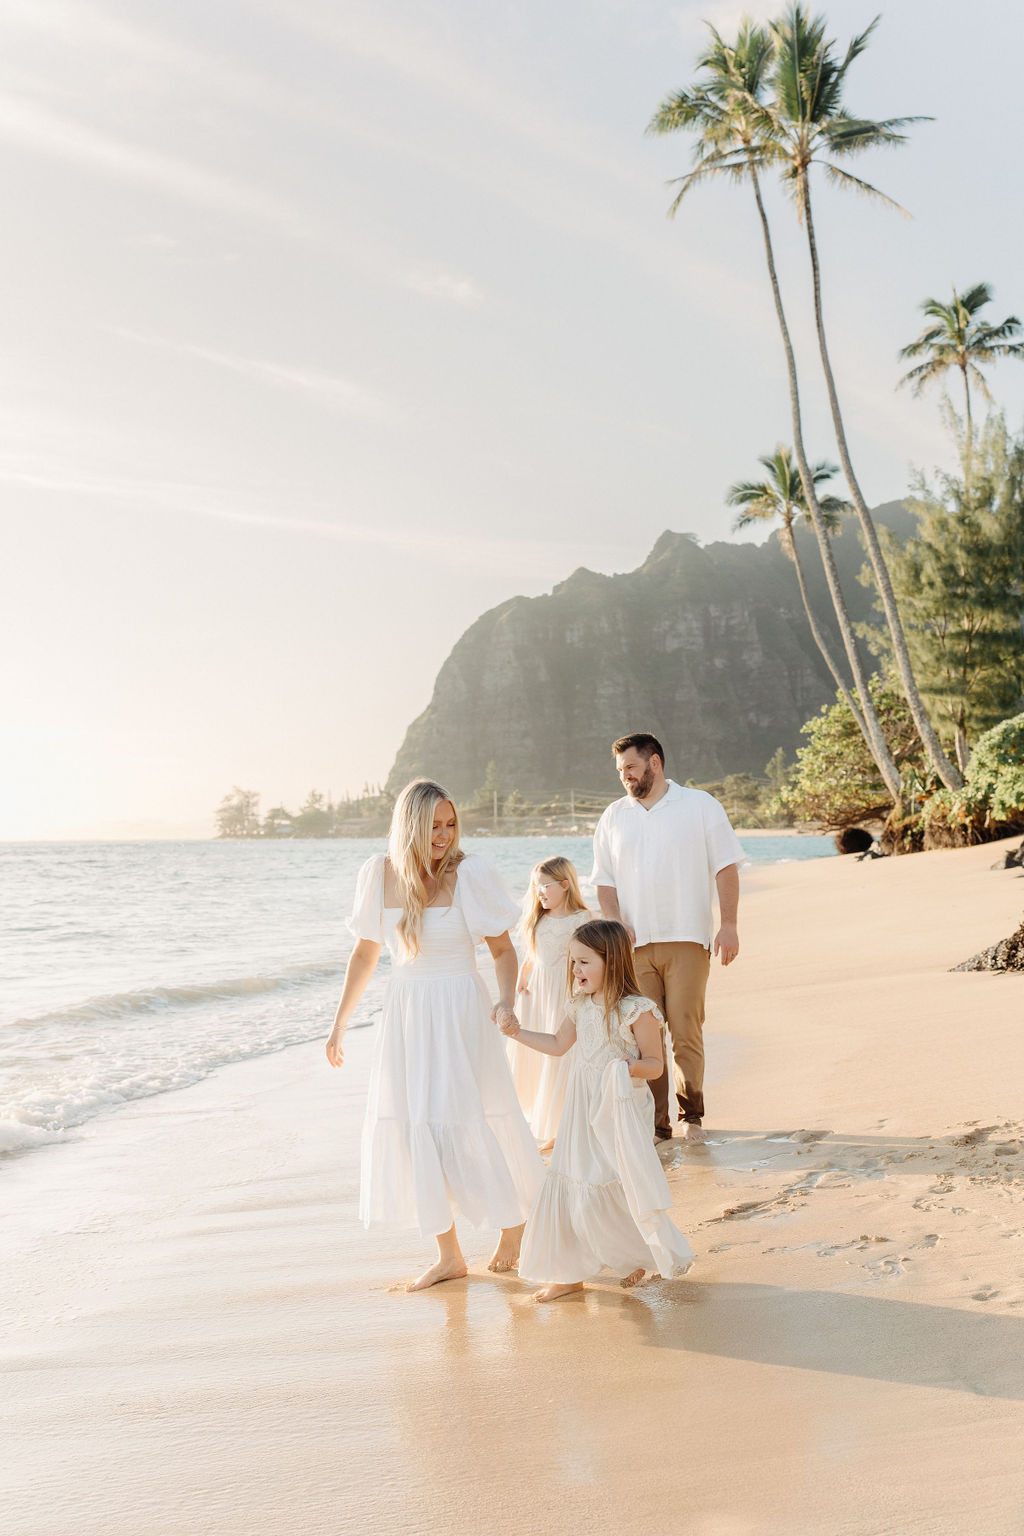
(643,786)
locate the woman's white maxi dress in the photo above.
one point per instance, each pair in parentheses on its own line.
(444,1134)
(605,1201)
(541,1080)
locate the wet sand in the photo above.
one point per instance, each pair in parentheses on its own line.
(198,1337)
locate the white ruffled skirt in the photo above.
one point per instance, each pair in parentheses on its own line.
(604,1204)
(444,1135)
(541,1080)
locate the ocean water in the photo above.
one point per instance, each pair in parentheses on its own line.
(129,969)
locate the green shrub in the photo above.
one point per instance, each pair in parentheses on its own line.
(996,771)
(991,802)
(836,781)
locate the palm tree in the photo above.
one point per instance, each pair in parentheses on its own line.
(807,124)
(726,112)
(958,340)
(781,496)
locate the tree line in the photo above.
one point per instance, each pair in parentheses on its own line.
(749,799)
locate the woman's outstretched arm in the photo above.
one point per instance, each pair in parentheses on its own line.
(551,1045)
(362,963)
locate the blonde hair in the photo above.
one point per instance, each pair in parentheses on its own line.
(559,869)
(410,856)
(610,942)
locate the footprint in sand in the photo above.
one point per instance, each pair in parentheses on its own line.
(985,1294)
(972,1138)
(884,1269)
(804,1136)
(743,1210)
(928,1241)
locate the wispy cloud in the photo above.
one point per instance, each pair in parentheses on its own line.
(543,560)
(329,389)
(413,52)
(445,285)
(33,127)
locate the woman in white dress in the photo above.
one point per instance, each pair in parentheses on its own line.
(552,911)
(605,1201)
(444,1132)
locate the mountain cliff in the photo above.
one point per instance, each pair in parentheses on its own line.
(707,647)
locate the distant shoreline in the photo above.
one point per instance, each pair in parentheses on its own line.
(377,834)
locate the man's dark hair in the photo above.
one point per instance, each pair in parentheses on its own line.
(644,743)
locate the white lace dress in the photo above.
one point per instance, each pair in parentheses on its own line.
(541,1080)
(605,1201)
(444,1135)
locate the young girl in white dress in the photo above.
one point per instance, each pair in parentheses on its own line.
(552,911)
(444,1132)
(605,1201)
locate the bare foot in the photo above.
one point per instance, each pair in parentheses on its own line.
(444,1269)
(506,1256)
(693,1132)
(553,1292)
(633,1279)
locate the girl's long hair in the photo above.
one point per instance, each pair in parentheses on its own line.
(610,941)
(409,852)
(557,868)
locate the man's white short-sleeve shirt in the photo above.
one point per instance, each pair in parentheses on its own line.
(663,862)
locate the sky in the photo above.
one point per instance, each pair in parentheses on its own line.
(331,324)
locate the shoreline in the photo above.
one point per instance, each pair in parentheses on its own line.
(198,1336)
(375,836)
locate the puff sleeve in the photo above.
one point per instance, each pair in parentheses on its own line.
(486,905)
(366,922)
(629,1011)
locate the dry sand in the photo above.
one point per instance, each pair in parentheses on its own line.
(199,1339)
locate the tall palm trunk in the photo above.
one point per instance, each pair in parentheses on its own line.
(970,428)
(933,746)
(867,718)
(963,748)
(819,636)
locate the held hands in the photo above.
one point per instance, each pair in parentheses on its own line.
(727,943)
(505,1019)
(335,1054)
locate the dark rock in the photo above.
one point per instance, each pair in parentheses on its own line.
(1007,955)
(854,840)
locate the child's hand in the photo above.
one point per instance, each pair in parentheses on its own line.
(506,1022)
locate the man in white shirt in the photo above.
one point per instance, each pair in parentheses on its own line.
(658,852)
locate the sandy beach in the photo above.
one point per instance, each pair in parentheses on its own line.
(199,1338)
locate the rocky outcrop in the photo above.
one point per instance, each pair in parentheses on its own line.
(708,647)
(1007,955)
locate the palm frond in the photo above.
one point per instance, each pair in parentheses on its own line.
(926,373)
(975,298)
(847,135)
(975,374)
(996,335)
(840,178)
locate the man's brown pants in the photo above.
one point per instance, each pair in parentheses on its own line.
(675,976)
